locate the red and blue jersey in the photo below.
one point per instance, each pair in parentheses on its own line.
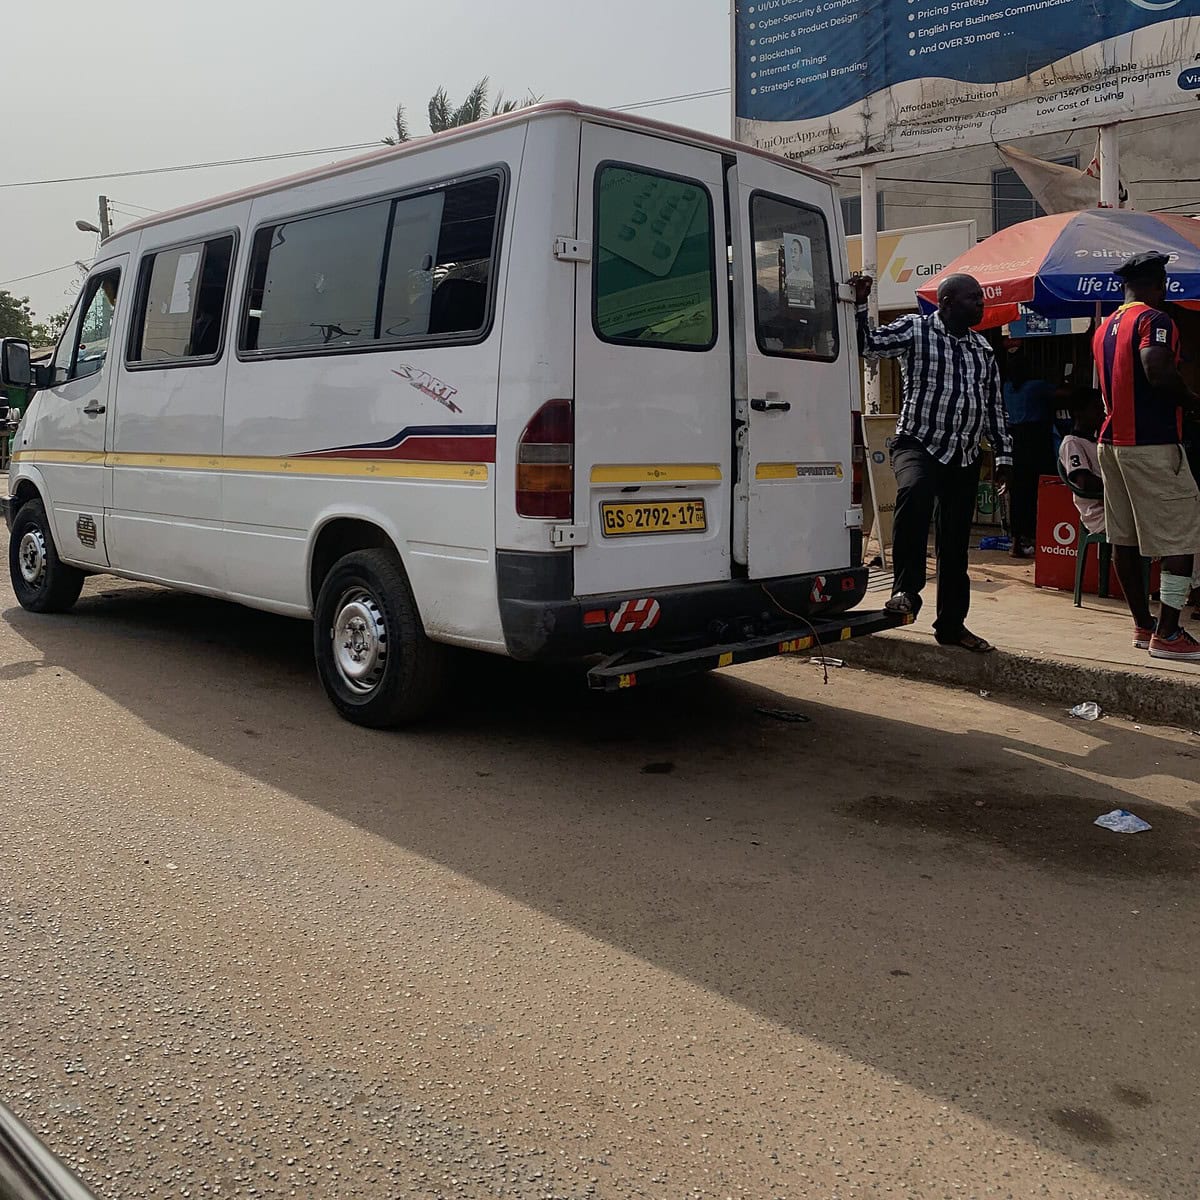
(1138,414)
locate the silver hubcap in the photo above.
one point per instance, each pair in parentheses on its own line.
(359,640)
(32,556)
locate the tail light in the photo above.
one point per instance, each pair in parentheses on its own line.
(545,463)
(858,458)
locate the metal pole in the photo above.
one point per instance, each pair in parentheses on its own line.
(1110,167)
(105,229)
(869,202)
(733,75)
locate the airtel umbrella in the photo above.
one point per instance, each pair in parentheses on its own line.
(1062,265)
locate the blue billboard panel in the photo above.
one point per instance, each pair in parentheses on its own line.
(842,81)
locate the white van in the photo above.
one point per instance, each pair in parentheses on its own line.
(564,383)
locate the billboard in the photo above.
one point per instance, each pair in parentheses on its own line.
(909,258)
(841,82)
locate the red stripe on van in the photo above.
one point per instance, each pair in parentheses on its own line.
(440,446)
(465,449)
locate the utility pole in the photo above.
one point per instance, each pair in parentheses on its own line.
(1110,167)
(868,193)
(105,227)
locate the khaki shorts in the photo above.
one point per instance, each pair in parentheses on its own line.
(1150,500)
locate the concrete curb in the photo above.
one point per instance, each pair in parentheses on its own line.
(1160,699)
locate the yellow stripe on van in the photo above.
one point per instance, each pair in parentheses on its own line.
(656,473)
(341,468)
(85,457)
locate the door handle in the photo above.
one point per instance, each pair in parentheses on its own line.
(771,404)
(94,410)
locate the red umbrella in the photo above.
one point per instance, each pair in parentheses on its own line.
(1062,265)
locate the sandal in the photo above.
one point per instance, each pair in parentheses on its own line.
(967,641)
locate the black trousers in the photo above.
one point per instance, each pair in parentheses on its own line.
(1033,457)
(925,486)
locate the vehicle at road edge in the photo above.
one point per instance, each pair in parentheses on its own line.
(561,384)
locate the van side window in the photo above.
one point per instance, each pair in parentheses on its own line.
(416,267)
(315,281)
(654,281)
(181,303)
(795,306)
(440,265)
(84,345)
(65,351)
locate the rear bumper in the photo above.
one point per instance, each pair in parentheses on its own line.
(543,619)
(636,667)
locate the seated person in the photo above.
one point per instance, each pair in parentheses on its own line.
(1080,463)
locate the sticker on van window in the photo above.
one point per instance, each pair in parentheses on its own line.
(646,218)
(798,271)
(185,276)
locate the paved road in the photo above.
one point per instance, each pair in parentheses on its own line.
(658,945)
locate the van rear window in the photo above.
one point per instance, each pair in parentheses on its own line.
(655,274)
(795,307)
(415,267)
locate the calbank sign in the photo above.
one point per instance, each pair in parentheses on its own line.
(852,81)
(910,258)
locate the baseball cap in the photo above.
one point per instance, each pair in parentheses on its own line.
(1143,266)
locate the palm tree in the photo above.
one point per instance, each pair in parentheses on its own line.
(444,115)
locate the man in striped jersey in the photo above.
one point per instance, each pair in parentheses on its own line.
(1151,503)
(952,397)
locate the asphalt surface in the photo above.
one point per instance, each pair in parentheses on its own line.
(557,945)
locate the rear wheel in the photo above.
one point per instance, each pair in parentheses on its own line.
(41,581)
(374,660)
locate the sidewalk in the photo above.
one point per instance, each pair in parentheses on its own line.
(1046,648)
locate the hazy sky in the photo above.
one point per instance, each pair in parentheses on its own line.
(122,85)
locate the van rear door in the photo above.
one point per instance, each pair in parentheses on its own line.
(795,374)
(653,392)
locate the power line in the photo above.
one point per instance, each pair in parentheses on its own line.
(128,204)
(886,179)
(663,100)
(128,212)
(1189,204)
(197,166)
(680,98)
(37,274)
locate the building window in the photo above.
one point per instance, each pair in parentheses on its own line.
(1012,202)
(852,213)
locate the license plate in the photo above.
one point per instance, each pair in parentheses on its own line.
(658,516)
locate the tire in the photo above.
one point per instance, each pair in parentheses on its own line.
(393,674)
(41,581)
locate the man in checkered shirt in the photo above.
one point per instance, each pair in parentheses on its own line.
(952,398)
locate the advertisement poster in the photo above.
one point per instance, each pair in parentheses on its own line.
(798,271)
(910,258)
(850,81)
(879,432)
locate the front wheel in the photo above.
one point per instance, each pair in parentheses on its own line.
(374,660)
(41,581)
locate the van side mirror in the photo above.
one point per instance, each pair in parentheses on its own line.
(15,367)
